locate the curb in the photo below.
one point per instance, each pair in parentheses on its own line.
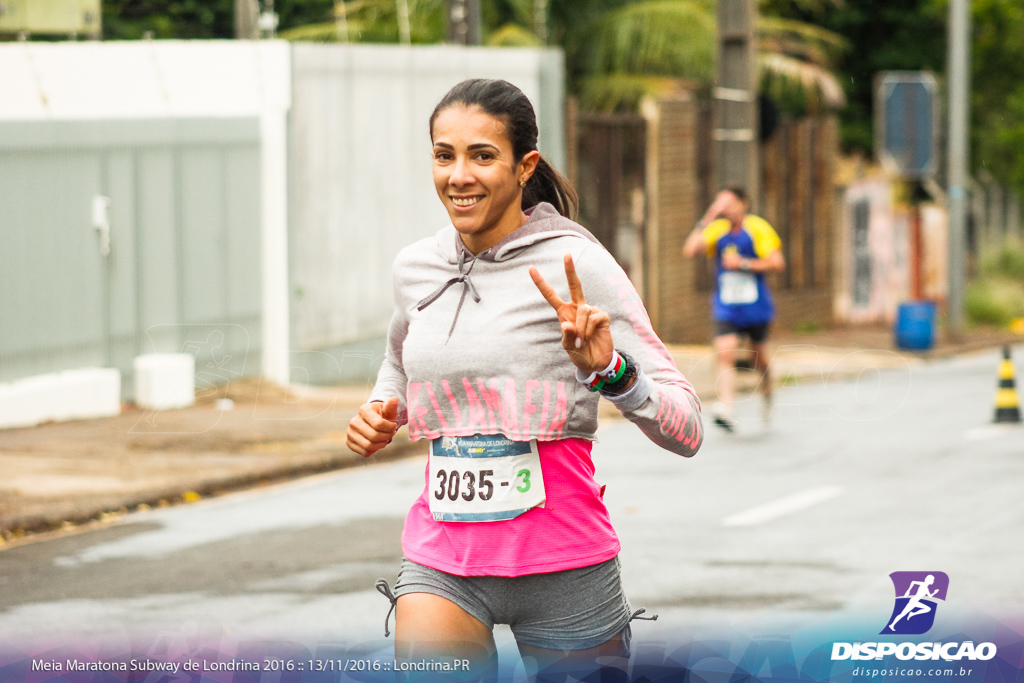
(119,504)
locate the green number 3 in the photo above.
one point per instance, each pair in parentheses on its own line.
(525,486)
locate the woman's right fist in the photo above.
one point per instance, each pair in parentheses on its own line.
(373,427)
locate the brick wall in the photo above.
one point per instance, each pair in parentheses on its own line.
(796,196)
(672,192)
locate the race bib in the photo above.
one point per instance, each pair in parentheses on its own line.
(736,287)
(483,478)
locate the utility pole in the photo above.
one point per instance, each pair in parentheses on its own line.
(959,56)
(540,20)
(247,15)
(404,28)
(463,18)
(735,96)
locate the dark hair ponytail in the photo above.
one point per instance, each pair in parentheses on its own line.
(506,102)
(548,185)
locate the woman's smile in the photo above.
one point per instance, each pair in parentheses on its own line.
(464,203)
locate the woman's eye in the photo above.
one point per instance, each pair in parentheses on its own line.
(485,156)
(442,156)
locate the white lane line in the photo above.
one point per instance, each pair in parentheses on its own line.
(782,506)
(989,431)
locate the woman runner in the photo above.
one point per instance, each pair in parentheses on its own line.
(509,325)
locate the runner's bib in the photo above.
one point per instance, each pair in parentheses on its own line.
(736,287)
(483,478)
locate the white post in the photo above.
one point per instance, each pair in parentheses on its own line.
(276,60)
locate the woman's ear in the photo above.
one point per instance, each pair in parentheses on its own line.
(527,166)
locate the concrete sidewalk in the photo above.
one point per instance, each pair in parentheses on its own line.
(59,476)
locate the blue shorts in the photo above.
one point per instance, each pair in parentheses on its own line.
(575,609)
(757,333)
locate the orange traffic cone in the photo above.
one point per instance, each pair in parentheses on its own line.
(1007,403)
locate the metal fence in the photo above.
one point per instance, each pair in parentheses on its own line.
(254,195)
(177,202)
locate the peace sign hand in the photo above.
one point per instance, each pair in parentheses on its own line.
(586,330)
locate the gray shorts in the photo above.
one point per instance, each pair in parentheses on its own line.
(575,609)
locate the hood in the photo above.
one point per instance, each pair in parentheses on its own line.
(544,223)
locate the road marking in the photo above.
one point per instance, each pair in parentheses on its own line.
(989,431)
(782,506)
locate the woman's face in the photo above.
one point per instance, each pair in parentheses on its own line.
(477,177)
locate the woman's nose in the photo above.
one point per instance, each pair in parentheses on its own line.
(461,173)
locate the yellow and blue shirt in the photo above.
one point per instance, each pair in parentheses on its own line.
(741,298)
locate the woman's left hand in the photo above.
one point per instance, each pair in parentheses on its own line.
(586,330)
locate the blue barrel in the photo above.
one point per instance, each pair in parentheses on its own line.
(915,325)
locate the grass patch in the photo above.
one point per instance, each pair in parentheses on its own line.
(996,297)
(807,327)
(995,301)
(1007,263)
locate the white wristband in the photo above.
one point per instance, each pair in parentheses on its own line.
(607,373)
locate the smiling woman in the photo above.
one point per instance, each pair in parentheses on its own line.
(487,169)
(475,173)
(511,527)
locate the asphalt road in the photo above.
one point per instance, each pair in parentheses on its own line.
(774,527)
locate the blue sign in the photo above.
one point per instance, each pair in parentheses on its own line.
(906,123)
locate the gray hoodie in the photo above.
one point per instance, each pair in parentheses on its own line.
(474,348)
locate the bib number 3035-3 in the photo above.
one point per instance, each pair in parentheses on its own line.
(483,478)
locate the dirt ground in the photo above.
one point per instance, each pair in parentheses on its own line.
(60,475)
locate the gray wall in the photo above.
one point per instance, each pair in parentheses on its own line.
(183,273)
(188,268)
(360,181)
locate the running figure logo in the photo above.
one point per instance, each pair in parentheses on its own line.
(916,596)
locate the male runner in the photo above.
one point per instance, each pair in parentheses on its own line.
(745,247)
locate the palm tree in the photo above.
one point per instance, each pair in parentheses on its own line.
(653,47)
(377,21)
(617,51)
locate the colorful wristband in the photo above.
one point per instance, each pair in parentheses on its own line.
(611,374)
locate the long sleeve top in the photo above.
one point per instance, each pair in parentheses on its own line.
(474,348)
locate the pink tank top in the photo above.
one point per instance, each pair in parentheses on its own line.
(571,530)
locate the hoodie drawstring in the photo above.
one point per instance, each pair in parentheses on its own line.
(467,286)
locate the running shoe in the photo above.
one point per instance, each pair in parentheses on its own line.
(723,418)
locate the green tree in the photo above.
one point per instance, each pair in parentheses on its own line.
(997,90)
(882,35)
(183,19)
(131,19)
(911,35)
(618,51)
(373,21)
